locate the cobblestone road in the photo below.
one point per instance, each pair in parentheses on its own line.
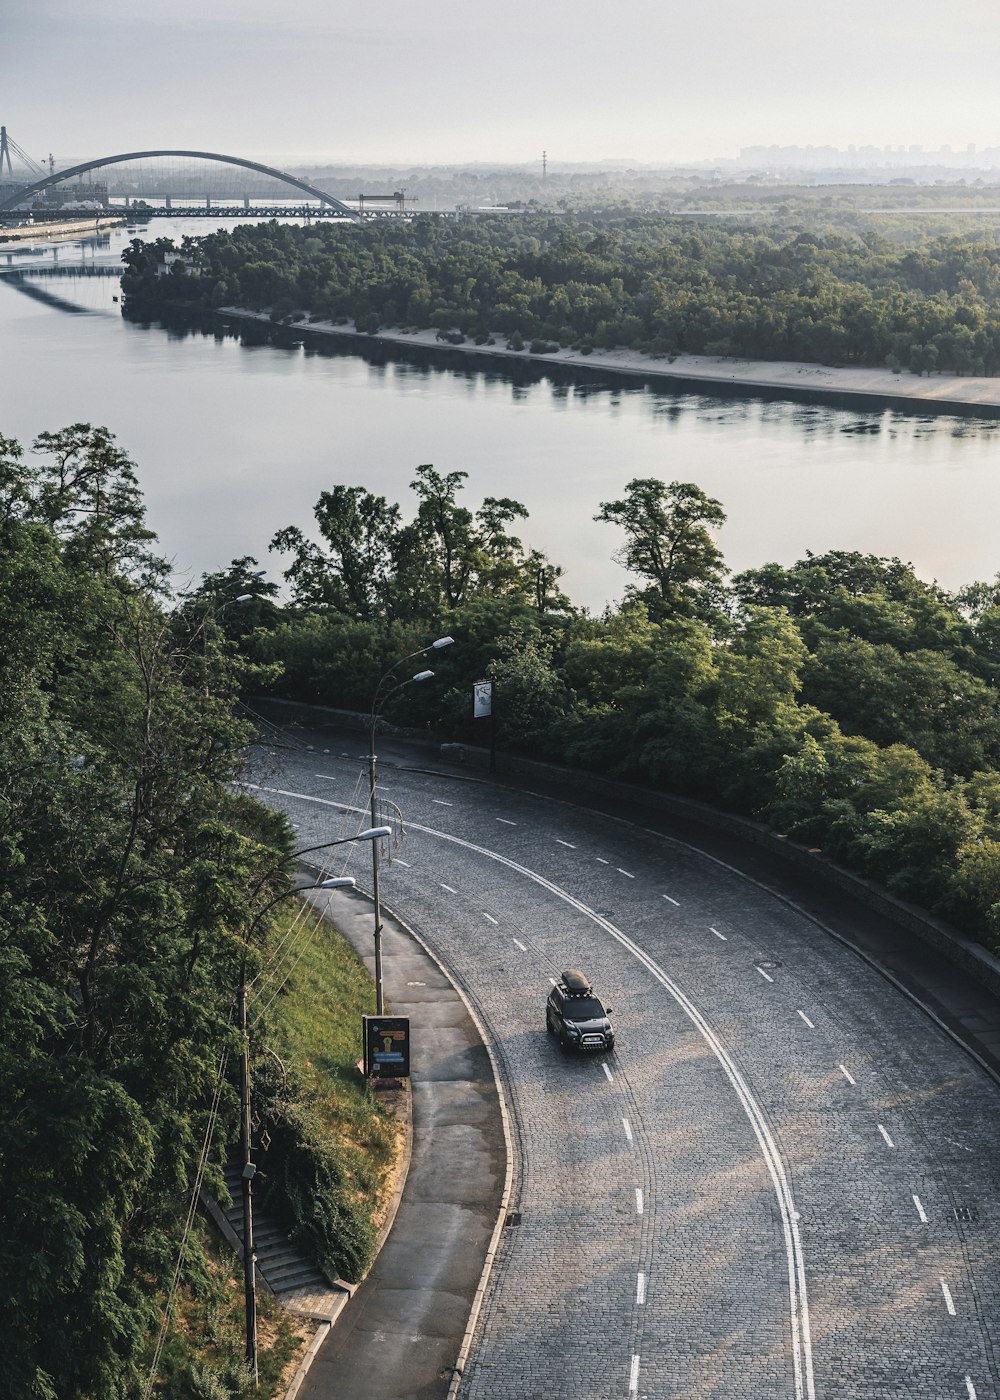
(784,1182)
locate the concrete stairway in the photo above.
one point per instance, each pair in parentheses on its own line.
(282,1268)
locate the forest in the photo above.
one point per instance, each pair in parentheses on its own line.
(136,878)
(820,293)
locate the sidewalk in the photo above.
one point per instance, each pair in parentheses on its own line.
(402,1332)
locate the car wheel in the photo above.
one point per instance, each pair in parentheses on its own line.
(548,1024)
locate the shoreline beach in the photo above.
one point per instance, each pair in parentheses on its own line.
(910,392)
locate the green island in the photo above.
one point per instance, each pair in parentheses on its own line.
(838,288)
(841,701)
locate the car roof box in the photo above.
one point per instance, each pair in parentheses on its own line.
(575,981)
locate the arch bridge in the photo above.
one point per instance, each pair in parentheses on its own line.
(75,171)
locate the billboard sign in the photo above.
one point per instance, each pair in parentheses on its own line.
(482,699)
(387,1047)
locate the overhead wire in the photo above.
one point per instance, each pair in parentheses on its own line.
(206,1148)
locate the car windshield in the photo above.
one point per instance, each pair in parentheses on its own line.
(582,1009)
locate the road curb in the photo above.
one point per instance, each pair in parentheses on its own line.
(491,1252)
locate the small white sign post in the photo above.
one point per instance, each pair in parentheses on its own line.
(482,708)
(482,699)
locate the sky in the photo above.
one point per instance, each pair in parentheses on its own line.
(444,82)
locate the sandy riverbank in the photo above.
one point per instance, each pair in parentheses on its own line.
(935,392)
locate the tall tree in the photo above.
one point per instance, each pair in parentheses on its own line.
(668,539)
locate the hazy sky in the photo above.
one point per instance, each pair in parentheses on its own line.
(449,82)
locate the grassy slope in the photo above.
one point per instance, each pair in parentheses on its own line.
(316,1028)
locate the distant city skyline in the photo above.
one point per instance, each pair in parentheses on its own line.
(654,83)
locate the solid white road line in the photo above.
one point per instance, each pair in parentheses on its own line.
(847,1075)
(920,1210)
(638,1200)
(640,1288)
(970,1388)
(633,1375)
(766,976)
(601,861)
(888,1139)
(626,873)
(948,1301)
(490,917)
(569,844)
(670,900)
(447,887)
(609,1075)
(520,945)
(801,1337)
(505,821)
(715,931)
(628,1128)
(807,1020)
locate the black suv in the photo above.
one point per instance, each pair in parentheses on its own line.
(577,1016)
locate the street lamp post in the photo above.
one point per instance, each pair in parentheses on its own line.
(248,1169)
(378,700)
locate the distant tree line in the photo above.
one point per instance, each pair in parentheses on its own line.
(656,284)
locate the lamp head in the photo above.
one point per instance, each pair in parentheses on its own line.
(342,882)
(443,642)
(422,676)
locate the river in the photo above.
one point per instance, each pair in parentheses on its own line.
(235,437)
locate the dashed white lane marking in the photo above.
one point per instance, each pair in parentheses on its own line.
(505,821)
(327,777)
(601,861)
(440,802)
(714,930)
(628,1128)
(948,1300)
(396,861)
(766,975)
(561,842)
(807,1020)
(489,917)
(640,1288)
(920,1210)
(888,1139)
(970,1388)
(628,875)
(638,1200)
(804,1385)
(610,1076)
(670,900)
(519,944)
(847,1075)
(447,887)
(633,1375)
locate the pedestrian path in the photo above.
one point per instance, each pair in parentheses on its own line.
(402,1332)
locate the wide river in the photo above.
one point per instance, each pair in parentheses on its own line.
(234,440)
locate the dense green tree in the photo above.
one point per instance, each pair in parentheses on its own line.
(668,540)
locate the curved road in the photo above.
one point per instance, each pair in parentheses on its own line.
(783,1183)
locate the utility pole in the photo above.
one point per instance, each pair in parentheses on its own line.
(379,1004)
(246,1179)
